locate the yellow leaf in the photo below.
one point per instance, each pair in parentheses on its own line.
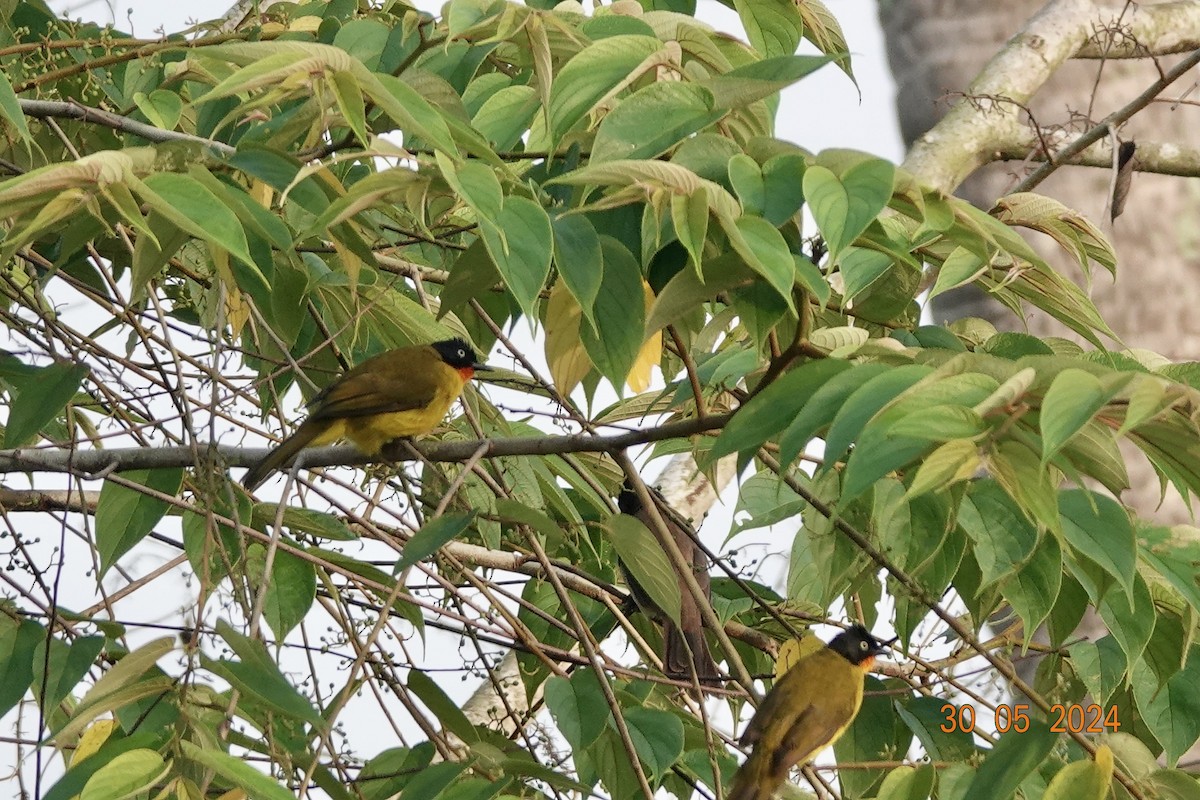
(262,193)
(96,735)
(651,353)
(568,361)
(236,309)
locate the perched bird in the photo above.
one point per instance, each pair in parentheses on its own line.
(684,645)
(403,392)
(807,709)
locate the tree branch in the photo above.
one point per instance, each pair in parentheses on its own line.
(42,109)
(98,463)
(985,124)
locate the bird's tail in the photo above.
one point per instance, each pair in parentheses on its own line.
(753,779)
(282,455)
(685,648)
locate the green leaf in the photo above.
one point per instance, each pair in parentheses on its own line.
(746,177)
(580,260)
(578,707)
(40,396)
(257,675)
(1014,757)
(773,28)
(1099,528)
(191,207)
(476,183)
(770,410)
(689,216)
(412,113)
(1034,588)
(940,423)
(1172,712)
(1174,554)
(688,288)
(1083,780)
(783,179)
(864,403)
(10,108)
(1071,401)
(64,669)
(1016,467)
(432,536)
(213,548)
(844,204)
(764,249)
(642,555)
(955,461)
(764,500)
(824,404)
(861,268)
(365,39)
(876,731)
(304,522)
(761,79)
(926,718)
(520,241)
(127,775)
(254,782)
(591,74)
(620,315)
(958,269)
(446,711)
(18,642)
(1130,617)
(291,589)
(1101,667)
(505,116)
(430,782)
(163,108)
(1003,538)
(908,783)
(657,736)
(125,516)
(652,120)
(347,93)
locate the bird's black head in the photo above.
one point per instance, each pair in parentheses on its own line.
(458,354)
(857,645)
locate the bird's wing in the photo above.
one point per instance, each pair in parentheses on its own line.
(367,393)
(770,708)
(814,729)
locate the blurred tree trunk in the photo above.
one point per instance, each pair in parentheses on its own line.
(936,48)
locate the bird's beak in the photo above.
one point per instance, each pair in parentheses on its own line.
(883,646)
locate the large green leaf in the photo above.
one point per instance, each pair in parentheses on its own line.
(591,74)
(654,119)
(1099,528)
(846,195)
(41,393)
(578,706)
(125,516)
(520,241)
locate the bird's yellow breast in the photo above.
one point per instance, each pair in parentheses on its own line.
(371,433)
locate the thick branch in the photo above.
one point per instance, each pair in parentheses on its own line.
(97,463)
(985,124)
(1149,30)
